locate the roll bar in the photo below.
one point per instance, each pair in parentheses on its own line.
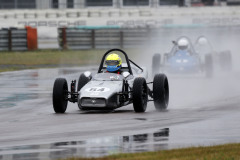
(111,50)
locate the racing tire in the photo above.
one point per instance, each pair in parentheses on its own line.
(140,94)
(156,62)
(60,95)
(208,65)
(226,61)
(160,92)
(82,80)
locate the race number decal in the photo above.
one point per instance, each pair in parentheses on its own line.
(97,89)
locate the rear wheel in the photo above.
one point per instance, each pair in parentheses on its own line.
(60,95)
(82,81)
(156,61)
(140,94)
(160,91)
(226,61)
(208,65)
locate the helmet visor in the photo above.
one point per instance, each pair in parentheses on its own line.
(183,47)
(112,62)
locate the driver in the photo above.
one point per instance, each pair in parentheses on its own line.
(113,63)
(203,46)
(202,41)
(183,44)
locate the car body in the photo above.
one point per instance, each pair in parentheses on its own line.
(108,91)
(101,91)
(182,61)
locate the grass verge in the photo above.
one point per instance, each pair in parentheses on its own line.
(47,57)
(220,152)
(10,61)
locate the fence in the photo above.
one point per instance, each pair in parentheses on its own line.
(13,39)
(73,38)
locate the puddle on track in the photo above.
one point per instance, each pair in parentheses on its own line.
(15,98)
(200,133)
(90,148)
(24,85)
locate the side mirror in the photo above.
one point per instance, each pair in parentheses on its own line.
(88,74)
(125,74)
(174,42)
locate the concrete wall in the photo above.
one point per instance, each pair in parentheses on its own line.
(126,17)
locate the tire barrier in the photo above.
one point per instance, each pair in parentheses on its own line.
(15,39)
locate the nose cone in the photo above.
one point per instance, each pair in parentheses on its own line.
(100,89)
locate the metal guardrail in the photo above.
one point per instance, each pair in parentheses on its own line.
(19,39)
(13,39)
(4,40)
(73,38)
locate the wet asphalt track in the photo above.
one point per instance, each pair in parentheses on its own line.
(201,112)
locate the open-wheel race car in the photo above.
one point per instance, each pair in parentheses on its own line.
(183,59)
(108,91)
(222,59)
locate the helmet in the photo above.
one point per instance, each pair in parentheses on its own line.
(202,41)
(113,62)
(183,44)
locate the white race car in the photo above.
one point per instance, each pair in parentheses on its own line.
(108,91)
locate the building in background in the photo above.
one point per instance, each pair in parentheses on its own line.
(17,4)
(63,4)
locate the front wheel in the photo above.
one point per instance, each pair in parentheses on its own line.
(140,94)
(60,95)
(160,91)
